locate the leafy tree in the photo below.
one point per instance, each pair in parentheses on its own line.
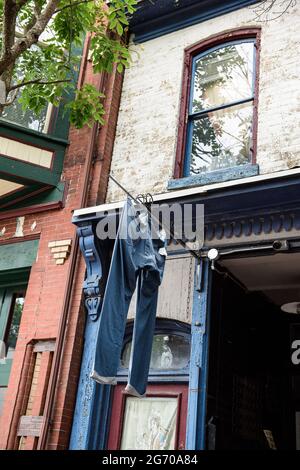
(38,61)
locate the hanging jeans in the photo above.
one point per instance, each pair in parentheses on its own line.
(135,260)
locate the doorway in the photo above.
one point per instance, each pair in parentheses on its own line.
(253,397)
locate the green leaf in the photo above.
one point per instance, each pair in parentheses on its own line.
(119,29)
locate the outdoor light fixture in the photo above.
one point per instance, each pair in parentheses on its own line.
(213,254)
(291,307)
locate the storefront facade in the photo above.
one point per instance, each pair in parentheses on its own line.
(198,75)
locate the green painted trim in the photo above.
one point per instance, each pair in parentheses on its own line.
(4,311)
(19,171)
(50,195)
(10,129)
(5,372)
(7,295)
(11,198)
(14,277)
(62,118)
(18,255)
(23,172)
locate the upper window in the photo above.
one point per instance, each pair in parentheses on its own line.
(15,114)
(219,92)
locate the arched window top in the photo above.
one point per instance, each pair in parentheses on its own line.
(170,349)
(169,352)
(217,128)
(223,75)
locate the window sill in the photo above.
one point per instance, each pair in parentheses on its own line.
(218,176)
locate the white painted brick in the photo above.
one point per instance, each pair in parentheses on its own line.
(144,150)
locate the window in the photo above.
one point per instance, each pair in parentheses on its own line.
(12,303)
(170,351)
(218,123)
(28,118)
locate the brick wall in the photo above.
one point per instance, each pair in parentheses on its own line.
(46,291)
(144,152)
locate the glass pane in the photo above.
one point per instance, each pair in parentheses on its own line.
(149,423)
(222,139)
(223,76)
(28,118)
(168,352)
(14,326)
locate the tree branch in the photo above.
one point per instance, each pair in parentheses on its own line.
(72,5)
(38,81)
(9,25)
(268,10)
(20,4)
(31,36)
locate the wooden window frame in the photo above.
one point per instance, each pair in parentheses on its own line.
(189,54)
(178,391)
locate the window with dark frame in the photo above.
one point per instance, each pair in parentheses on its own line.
(217,127)
(12,303)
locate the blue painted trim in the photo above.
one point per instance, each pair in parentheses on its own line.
(218,176)
(196,415)
(91,416)
(259,197)
(175,16)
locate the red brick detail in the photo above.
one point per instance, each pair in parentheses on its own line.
(46,290)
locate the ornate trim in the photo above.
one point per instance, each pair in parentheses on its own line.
(60,250)
(253,226)
(93,286)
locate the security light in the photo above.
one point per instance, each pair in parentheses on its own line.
(213,254)
(292,307)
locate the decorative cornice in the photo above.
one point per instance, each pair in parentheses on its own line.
(259,225)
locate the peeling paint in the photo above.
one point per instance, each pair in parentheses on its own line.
(146,135)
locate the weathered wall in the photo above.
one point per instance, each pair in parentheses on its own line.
(175,297)
(144,150)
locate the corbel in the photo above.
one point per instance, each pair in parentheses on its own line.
(96,255)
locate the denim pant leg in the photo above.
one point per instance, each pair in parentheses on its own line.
(119,289)
(143,332)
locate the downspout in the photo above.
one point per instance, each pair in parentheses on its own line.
(72,268)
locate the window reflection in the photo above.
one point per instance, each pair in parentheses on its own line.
(15,114)
(223,76)
(222,139)
(169,352)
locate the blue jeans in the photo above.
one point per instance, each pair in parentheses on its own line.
(134,261)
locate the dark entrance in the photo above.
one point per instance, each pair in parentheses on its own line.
(253,388)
